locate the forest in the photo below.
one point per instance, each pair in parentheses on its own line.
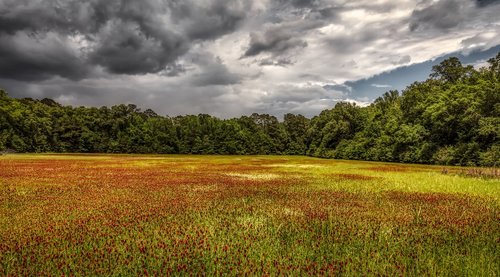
(452,118)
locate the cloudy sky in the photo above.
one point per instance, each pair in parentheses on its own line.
(233,57)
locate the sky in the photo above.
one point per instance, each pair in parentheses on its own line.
(229,58)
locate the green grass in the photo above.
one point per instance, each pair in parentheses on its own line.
(234,215)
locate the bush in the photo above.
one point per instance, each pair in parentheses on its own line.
(491,157)
(444,156)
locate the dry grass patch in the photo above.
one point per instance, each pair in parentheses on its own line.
(255,176)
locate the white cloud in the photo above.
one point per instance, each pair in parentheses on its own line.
(381,86)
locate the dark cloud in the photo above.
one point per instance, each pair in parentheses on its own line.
(212,72)
(484,3)
(120,36)
(125,48)
(275,41)
(338,87)
(281,38)
(325,13)
(302,3)
(208,21)
(291,20)
(441,15)
(66,17)
(31,58)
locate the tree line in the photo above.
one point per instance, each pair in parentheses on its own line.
(451,118)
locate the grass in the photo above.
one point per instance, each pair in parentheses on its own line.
(234,215)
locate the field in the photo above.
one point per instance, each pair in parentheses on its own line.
(254,215)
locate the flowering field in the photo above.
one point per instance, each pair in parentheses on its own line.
(263,215)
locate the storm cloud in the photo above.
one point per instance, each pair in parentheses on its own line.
(443,14)
(484,3)
(69,38)
(275,42)
(231,57)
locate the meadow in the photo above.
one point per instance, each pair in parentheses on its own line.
(234,215)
